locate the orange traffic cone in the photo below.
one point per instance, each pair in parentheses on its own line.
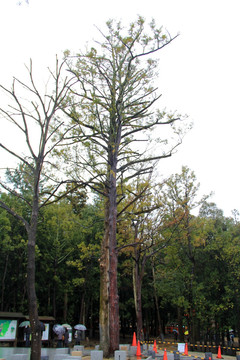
(219,355)
(134,341)
(186,349)
(165,355)
(138,353)
(155,346)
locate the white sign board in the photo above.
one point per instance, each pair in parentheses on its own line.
(45,334)
(181,347)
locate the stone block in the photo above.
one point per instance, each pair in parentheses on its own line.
(87,352)
(96,355)
(62,351)
(151,354)
(61,357)
(120,355)
(78,348)
(19,357)
(133,350)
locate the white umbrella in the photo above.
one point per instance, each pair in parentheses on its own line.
(67,326)
(24,323)
(58,329)
(80,327)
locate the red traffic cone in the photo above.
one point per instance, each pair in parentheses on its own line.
(186,349)
(138,353)
(165,355)
(134,341)
(155,346)
(219,355)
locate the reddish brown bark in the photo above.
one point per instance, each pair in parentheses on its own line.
(32,298)
(113,262)
(104,286)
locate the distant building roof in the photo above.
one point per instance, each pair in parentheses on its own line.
(16,315)
(42,318)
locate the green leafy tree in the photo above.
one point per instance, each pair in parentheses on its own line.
(217,280)
(56,233)
(114,106)
(13,254)
(85,262)
(180,194)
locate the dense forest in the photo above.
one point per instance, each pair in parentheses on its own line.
(188,265)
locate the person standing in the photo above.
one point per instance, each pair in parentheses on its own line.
(60,339)
(27,332)
(141,339)
(77,337)
(66,337)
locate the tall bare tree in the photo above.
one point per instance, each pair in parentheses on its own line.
(120,134)
(32,116)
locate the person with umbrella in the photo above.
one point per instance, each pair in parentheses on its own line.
(78,333)
(59,330)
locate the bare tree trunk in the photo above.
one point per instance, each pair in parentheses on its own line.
(65,309)
(24,291)
(156,304)
(54,292)
(138,271)
(49,298)
(137,290)
(104,286)
(32,298)
(113,263)
(82,309)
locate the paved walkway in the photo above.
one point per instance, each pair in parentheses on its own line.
(6,352)
(194,355)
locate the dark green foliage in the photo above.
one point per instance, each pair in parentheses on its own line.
(13,254)
(68,264)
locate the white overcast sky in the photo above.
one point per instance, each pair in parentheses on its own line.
(199,71)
